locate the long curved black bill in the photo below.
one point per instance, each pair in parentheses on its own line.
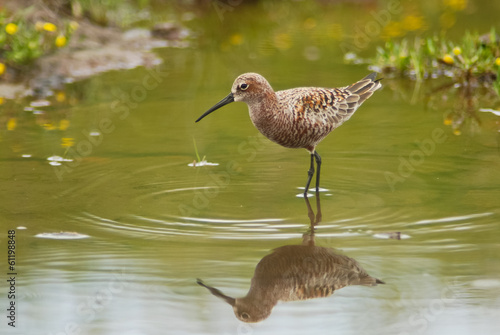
(223,102)
(216,292)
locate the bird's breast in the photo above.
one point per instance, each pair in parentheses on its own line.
(290,126)
(304,292)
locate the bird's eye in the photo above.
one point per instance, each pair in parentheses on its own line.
(243,86)
(245,316)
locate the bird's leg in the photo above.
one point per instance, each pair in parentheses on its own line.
(319,215)
(308,238)
(318,163)
(310,212)
(310,174)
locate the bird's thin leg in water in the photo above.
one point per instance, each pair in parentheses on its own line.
(310,174)
(318,163)
(319,215)
(308,238)
(310,212)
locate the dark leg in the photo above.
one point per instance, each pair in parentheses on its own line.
(318,163)
(310,212)
(319,215)
(310,175)
(308,238)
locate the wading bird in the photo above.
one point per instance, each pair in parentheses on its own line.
(299,117)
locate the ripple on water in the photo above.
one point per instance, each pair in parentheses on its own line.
(63,235)
(392,235)
(199,227)
(486,284)
(127,198)
(312,191)
(122,202)
(150,198)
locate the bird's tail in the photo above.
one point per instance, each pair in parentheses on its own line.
(365,87)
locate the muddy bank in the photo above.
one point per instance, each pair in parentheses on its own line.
(92,50)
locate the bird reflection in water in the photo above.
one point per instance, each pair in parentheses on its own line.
(296,272)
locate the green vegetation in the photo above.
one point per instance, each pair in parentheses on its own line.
(111,12)
(24,37)
(475,57)
(196,151)
(22,42)
(201,161)
(471,66)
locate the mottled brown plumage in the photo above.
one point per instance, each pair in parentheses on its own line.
(299,117)
(295,272)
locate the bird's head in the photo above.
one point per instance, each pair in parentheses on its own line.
(248,87)
(245,309)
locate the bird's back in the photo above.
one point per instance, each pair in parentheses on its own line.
(298,272)
(309,114)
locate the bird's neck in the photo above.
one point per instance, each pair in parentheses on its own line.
(261,298)
(263,112)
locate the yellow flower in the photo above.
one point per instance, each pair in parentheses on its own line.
(412,23)
(497,61)
(49,27)
(457,51)
(2,68)
(67,142)
(457,132)
(2,100)
(448,59)
(11,28)
(236,39)
(60,96)
(49,126)
(447,122)
(61,41)
(392,29)
(11,123)
(456,4)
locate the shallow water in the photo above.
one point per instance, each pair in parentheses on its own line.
(150,224)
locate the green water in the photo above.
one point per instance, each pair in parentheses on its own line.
(155,224)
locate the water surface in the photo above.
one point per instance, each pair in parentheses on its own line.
(153,224)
